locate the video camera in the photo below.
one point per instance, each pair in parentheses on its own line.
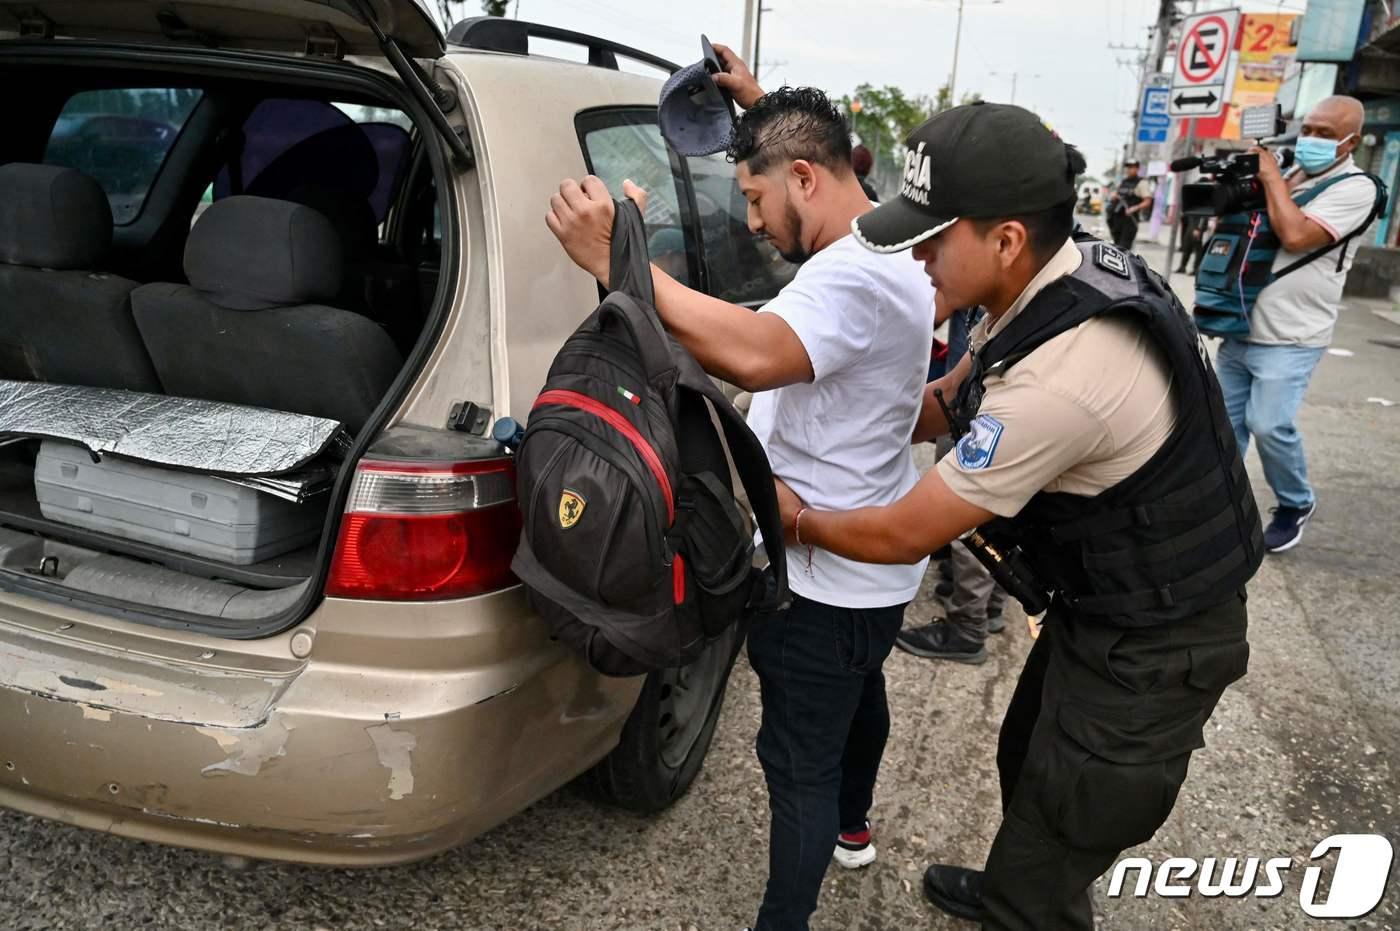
(1236,187)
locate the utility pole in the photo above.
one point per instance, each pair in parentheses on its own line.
(957,44)
(748,31)
(1175,207)
(759,10)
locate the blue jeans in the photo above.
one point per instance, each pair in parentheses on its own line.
(1263,388)
(825,722)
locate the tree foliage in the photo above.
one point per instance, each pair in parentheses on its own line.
(883,117)
(495,7)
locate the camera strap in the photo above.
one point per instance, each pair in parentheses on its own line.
(1377,208)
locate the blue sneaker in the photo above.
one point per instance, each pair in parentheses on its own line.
(1285,531)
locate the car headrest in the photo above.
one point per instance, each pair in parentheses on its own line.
(254,253)
(351,215)
(52,217)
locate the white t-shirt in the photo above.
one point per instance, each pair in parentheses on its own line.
(1300,309)
(842,441)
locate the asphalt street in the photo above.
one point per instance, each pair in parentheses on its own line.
(1301,749)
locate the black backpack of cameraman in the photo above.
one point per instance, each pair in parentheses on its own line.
(635,550)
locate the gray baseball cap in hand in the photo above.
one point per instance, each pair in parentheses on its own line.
(696,114)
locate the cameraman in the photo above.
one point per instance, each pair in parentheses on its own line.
(1265,375)
(1128,204)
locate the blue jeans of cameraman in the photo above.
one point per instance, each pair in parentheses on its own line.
(1264,387)
(825,722)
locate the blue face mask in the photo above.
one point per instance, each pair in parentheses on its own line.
(1316,154)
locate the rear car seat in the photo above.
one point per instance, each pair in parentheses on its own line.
(250,329)
(60,320)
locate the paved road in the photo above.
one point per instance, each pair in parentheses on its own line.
(1303,748)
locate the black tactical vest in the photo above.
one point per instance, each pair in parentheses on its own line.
(1127,192)
(1180,534)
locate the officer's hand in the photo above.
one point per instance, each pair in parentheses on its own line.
(581,218)
(1268,165)
(736,78)
(788,506)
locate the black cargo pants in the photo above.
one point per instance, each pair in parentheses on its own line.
(1093,751)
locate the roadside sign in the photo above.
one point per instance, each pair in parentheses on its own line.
(1154,123)
(1203,60)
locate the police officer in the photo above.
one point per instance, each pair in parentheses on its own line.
(1096,455)
(1128,205)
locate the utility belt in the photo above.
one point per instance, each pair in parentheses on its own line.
(1239,262)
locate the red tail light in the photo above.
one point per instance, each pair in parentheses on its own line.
(427,531)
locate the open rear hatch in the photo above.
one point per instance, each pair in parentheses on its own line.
(332,28)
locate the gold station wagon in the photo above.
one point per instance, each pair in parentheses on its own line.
(269,272)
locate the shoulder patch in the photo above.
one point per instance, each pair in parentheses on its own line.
(1110,259)
(978,446)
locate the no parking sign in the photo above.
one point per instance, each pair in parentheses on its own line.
(1203,63)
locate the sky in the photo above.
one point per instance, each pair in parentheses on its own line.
(1059,49)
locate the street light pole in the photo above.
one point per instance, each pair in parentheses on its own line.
(957,46)
(748,30)
(957,43)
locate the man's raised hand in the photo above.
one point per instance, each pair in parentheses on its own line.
(736,78)
(581,218)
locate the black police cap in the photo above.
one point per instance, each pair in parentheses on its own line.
(979,161)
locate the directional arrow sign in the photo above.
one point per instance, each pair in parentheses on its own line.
(1197,103)
(1204,61)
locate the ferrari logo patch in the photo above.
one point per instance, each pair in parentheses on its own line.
(571,505)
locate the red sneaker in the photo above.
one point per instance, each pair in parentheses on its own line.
(854,849)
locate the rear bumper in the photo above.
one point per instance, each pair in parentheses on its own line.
(339,766)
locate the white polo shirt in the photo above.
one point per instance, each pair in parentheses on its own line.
(1300,309)
(843,441)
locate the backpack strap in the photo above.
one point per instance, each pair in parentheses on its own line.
(630,267)
(1377,208)
(631,300)
(757,477)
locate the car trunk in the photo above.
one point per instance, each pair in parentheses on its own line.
(180,542)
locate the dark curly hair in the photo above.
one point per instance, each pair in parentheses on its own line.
(791,123)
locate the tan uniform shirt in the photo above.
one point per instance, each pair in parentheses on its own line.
(1079,414)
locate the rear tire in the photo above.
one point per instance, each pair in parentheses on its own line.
(664,741)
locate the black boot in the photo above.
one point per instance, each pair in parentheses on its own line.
(955,890)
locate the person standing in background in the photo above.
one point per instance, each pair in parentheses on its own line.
(974,604)
(1127,205)
(862,161)
(1265,375)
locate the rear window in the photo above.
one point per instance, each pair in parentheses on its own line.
(120,137)
(743,269)
(696,216)
(631,148)
(291,148)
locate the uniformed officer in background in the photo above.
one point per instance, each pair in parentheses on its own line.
(1095,457)
(1128,204)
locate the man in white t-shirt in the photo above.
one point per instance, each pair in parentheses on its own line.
(838,362)
(1265,375)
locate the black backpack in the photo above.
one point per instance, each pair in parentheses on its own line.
(634,550)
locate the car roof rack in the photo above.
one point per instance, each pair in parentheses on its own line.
(497,34)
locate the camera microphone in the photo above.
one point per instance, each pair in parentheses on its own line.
(1186,164)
